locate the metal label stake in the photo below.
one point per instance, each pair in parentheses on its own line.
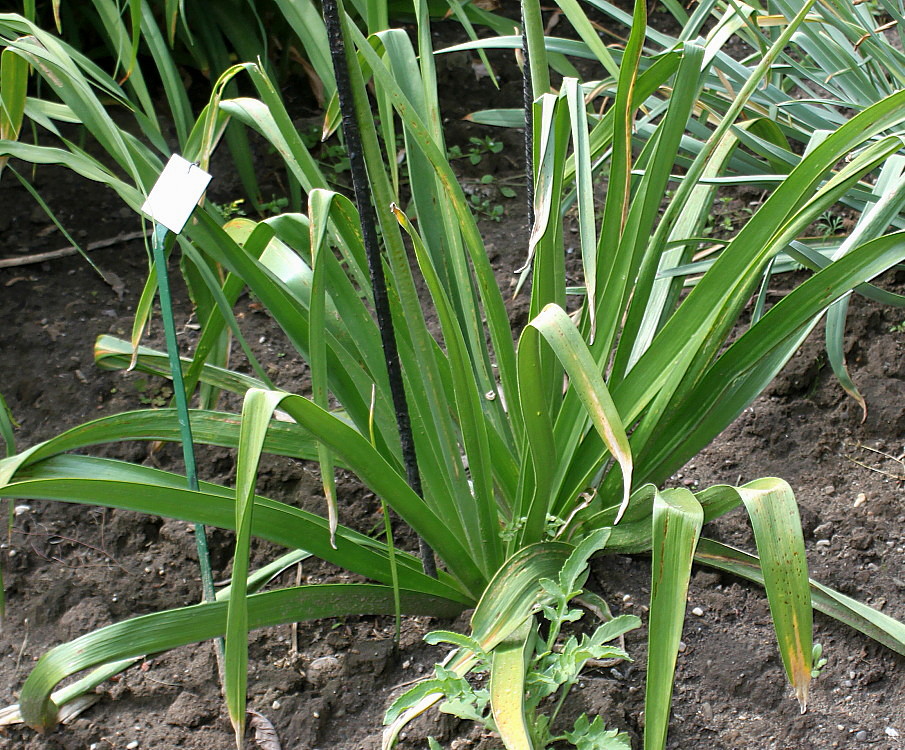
(170,204)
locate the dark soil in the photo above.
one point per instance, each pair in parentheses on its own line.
(70,569)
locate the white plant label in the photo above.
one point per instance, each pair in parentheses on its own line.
(176,193)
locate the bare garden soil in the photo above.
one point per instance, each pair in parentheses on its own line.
(70,569)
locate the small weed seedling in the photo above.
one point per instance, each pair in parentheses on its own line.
(554,664)
(476,149)
(829,224)
(484,196)
(156,395)
(332,156)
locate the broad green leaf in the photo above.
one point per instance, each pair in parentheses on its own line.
(873,623)
(72,478)
(318,209)
(257,411)
(13,91)
(584,377)
(507,688)
(677,521)
(777,532)
(166,630)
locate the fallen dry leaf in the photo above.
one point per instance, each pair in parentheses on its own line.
(265,733)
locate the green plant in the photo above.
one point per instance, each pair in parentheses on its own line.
(154,395)
(484,194)
(829,224)
(476,150)
(552,664)
(232,209)
(332,157)
(569,430)
(852,41)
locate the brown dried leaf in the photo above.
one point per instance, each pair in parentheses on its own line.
(265,733)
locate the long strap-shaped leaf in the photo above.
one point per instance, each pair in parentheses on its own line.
(677,521)
(477,507)
(555,326)
(111,353)
(368,177)
(67,698)
(507,688)
(777,532)
(72,478)
(13,91)
(744,370)
(491,297)
(373,469)
(257,411)
(611,274)
(166,630)
(319,204)
(873,623)
(873,222)
(208,428)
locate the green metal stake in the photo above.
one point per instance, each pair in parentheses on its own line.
(182,407)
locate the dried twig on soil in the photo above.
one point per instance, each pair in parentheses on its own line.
(27,260)
(900,460)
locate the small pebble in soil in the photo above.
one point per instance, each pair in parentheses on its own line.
(132,745)
(892,732)
(682,647)
(861,736)
(860,499)
(276,705)
(22,509)
(697,612)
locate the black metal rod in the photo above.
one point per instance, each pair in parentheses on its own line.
(368,217)
(528,104)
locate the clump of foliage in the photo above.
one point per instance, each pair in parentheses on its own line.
(533,453)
